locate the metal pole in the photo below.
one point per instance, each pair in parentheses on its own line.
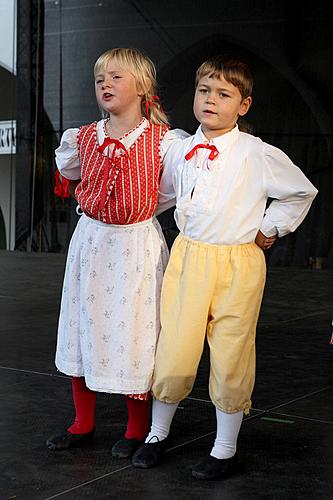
(34,165)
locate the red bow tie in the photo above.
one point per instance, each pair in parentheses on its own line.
(117,145)
(212,155)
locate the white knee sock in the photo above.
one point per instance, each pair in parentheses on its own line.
(228,426)
(161,420)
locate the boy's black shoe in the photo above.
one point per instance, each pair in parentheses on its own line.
(125,448)
(66,440)
(213,468)
(149,454)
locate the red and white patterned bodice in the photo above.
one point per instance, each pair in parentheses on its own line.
(121,188)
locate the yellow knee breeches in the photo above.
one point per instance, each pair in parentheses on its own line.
(214,291)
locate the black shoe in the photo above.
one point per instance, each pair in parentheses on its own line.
(66,440)
(149,454)
(125,448)
(213,468)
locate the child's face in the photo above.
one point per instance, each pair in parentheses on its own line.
(217,105)
(116,91)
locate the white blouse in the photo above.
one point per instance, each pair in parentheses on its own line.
(223,201)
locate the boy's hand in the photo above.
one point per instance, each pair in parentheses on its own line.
(263,241)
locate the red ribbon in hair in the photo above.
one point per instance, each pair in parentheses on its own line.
(117,145)
(212,155)
(61,186)
(151,102)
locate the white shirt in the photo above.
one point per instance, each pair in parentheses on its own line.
(67,159)
(223,201)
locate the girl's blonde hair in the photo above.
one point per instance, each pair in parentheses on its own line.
(144,72)
(233,71)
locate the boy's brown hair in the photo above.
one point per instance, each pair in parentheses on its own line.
(233,71)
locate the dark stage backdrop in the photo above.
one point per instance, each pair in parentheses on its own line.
(288,46)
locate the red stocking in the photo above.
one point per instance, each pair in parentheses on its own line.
(137,424)
(84,402)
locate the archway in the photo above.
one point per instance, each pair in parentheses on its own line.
(280,115)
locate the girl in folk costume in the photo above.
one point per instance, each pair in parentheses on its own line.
(109,317)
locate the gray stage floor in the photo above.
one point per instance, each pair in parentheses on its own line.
(286,444)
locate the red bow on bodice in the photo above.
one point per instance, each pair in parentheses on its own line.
(212,155)
(117,146)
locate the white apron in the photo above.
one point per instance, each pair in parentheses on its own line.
(109,318)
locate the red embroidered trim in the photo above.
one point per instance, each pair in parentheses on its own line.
(142,397)
(127,133)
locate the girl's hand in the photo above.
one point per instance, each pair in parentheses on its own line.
(264,242)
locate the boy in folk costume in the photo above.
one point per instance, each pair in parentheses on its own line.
(109,317)
(213,285)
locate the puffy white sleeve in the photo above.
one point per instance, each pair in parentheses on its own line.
(66,155)
(170,146)
(291,191)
